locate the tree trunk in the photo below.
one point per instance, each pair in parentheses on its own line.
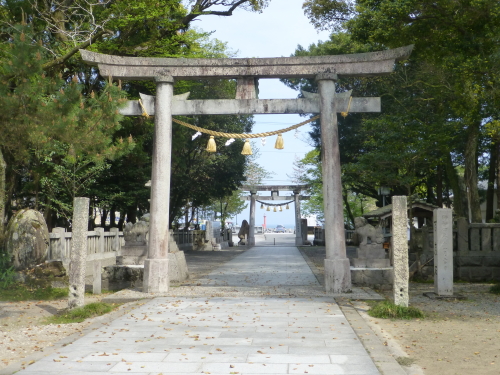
(47,215)
(439,186)
(431,198)
(104,216)
(458,194)
(132,214)
(348,207)
(492,174)
(498,176)
(471,173)
(3,167)
(121,220)
(112,216)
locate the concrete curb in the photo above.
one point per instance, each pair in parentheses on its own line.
(381,356)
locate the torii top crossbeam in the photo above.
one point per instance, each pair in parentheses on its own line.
(140,68)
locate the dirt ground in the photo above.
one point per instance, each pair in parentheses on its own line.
(457,337)
(22,332)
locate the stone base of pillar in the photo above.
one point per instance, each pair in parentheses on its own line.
(156,278)
(251,241)
(298,241)
(338,276)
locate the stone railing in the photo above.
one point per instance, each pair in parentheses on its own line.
(101,245)
(319,236)
(477,252)
(189,237)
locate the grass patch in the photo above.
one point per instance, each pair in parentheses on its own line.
(495,289)
(80,314)
(388,310)
(422,281)
(405,361)
(23,292)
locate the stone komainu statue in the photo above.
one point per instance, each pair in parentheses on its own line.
(244,230)
(366,231)
(136,234)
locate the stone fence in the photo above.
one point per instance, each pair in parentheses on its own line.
(101,245)
(201,239)
(319,236)
(187,238)
(477,252)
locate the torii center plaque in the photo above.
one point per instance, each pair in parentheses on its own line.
(325,69)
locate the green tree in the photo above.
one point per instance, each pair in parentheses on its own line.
(49,122)
(139,28)
(228,206)
(458,40)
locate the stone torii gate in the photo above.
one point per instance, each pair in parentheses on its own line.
(325,69)
(275,189)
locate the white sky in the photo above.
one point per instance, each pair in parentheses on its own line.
(275,32)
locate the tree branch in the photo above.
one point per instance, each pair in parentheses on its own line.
(74,50)
(201,12)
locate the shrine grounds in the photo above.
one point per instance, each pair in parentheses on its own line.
(457,337)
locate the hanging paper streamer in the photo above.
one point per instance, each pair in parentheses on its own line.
(196,135)
(229,141)
(263,141)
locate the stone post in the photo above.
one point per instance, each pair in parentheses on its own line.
(96,274)
(298,223)
(400,250)
(78,253)
(337,267)
(251,224)
(462,235)
(156,278)
(116,239)
(443,252)
(101,240)
(58,250)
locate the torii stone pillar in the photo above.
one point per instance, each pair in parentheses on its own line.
(156,265)
(337,267)
(298,226)
(251,224)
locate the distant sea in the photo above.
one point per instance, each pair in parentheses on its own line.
(287,226)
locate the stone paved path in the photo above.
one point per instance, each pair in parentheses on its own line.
(244,335)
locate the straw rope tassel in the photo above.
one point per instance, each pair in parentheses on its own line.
(247,149)
(211,146)
(280,144)
(344,114)
(144,112)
